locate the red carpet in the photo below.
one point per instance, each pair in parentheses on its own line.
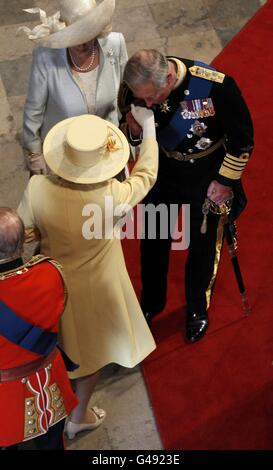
(218,393)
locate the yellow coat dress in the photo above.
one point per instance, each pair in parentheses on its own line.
(103,322)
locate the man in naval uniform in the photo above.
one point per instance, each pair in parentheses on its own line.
(205,135)
(35,392)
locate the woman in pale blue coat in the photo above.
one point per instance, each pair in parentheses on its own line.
(77,72)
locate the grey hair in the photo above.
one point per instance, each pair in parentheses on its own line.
(144,66)
(12,233)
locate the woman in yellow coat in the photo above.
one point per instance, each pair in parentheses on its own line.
(75,211)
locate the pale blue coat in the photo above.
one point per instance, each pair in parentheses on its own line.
(54,94)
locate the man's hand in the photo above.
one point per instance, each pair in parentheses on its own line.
(133,125)
(218,193)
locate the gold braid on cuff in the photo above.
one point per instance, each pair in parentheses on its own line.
(233,167)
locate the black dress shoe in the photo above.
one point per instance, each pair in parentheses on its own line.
(196,325)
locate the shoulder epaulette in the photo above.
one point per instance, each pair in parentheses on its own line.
(36,260)
(56,264)
(40,259)
(207,74)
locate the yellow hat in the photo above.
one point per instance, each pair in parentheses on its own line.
(86,149)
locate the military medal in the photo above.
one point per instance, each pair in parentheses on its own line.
(207,106)
(196,109)
(186,114)
(203,143)
(164,107)
(198,128)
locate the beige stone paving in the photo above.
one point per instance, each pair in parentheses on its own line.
(5,114)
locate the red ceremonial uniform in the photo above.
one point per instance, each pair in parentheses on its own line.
(29,405)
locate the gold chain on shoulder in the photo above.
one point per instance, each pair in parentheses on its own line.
(36,260)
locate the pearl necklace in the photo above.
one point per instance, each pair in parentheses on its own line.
(84,69)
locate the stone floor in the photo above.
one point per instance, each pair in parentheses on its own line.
(188,28)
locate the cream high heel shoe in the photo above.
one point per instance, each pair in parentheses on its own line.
(71,429)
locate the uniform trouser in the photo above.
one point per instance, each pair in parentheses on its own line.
(52,440)
(203,253)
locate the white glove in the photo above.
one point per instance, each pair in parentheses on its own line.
(145,118)
(36,164)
